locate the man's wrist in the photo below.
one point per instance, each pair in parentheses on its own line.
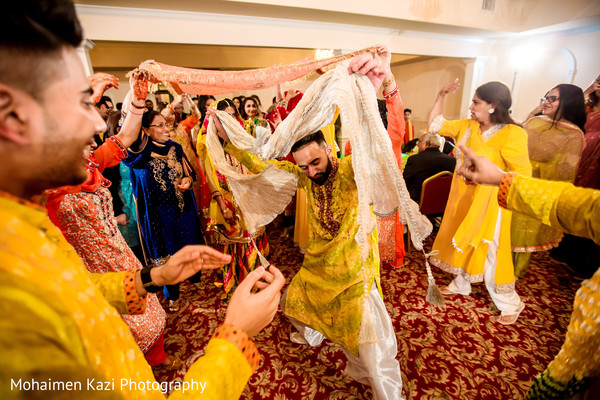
(156,275)
(147,282)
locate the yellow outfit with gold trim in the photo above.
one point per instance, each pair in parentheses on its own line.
(576,211)
(329,290)
(471,213)
(554,150)
(233,239)
(58,322)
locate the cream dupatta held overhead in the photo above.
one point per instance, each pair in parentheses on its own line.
(379,181)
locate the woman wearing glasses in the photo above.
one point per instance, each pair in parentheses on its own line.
(555,141)
(161,177)
(473,241)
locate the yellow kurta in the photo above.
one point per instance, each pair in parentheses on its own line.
(576,211)
(329,290)
(471,213)
(56,323)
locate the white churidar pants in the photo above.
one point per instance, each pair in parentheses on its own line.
(508,303)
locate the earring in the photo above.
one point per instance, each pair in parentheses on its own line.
(491,110)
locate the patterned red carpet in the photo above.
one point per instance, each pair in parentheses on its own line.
(454,352)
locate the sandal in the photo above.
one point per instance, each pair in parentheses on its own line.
(510,319)
(174,305)
(171,363)
(446,291)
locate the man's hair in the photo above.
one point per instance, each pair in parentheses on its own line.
(316,137)
(432,139)
(408,110)
(34,33)
(104,100)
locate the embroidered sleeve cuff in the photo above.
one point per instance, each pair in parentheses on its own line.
(135,303)
(119,145)
(504,188)
(239,339)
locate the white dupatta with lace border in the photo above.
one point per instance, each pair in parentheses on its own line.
(261,197)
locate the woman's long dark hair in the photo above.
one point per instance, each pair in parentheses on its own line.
(498,94)
(224,103)
(571,106)
(202,104)
(148,117)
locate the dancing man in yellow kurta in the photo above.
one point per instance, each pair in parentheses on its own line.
(474,238)
(337,295)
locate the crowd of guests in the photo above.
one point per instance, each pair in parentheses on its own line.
(141,209)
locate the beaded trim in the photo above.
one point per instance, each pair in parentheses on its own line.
(120,145)
(392,93)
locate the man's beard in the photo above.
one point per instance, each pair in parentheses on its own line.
(322,177)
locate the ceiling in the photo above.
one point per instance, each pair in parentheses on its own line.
(465,19)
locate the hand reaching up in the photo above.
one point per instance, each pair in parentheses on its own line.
(376,68)
(220,129)
(138,82)
(100,83)
(450,87)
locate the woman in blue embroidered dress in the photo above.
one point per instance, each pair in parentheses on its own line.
(161,177)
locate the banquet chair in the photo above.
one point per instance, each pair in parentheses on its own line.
(434,196)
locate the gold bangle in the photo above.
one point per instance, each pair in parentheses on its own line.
(389,82)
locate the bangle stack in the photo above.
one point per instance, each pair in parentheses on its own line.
(391,94)
(389,82)
(137,107)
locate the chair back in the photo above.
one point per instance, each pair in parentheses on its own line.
(435,192)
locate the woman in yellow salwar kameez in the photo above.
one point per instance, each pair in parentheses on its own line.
(474,238)
(225,226)
(555,141)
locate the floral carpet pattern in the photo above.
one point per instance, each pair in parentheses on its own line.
(457,351)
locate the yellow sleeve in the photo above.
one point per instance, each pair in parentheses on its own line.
(256,165)
(561,205)
(207,165)
(118,288)
(452,128)
(51,351)
(222,373)
(514,152)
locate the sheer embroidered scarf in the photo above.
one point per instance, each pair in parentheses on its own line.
(379,181)
(180,80)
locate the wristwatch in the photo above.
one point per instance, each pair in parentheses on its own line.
(147,281)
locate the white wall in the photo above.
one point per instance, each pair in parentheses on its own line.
(556,53)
